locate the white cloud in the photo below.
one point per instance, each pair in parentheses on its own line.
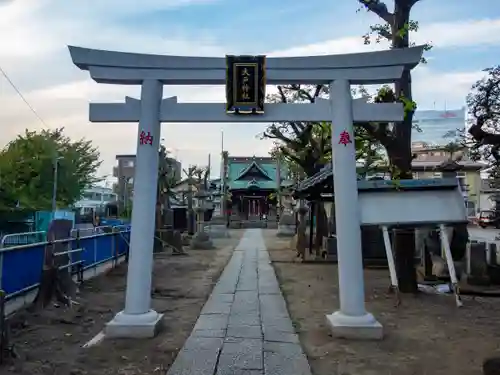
(49,25)
(461,33)
(442,89)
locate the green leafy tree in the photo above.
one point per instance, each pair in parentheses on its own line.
(27,169)
(396,28)
(483,103)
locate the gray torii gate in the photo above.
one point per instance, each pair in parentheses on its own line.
(152,72)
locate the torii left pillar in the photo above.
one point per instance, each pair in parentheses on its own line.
(138,320)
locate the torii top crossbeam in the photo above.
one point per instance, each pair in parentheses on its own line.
(132,68)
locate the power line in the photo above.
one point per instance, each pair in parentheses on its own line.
(22,97)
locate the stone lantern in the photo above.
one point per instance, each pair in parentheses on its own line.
(201,239)
(286,225)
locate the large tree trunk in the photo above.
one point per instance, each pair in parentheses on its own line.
(400,157)
(404,239)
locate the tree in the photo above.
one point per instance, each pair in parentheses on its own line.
(166,181)
(483,103)
(27,169)
(484,120)
(305,147)
(166,178)
(396,28)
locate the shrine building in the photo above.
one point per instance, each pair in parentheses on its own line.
(253,183)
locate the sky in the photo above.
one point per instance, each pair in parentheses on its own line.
(35,35)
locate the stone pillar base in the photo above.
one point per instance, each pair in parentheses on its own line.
(218,231)
(286,231)
(134,326)
(364,327)
(201,241)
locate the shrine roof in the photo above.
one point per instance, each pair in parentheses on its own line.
(322,182)
(240,165)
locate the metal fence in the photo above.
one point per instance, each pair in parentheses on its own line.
(26,238)
(21,265)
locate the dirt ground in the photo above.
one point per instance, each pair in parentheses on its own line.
(425,335)
(51,342)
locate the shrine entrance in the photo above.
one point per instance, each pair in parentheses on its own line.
(247,77)
(253,206)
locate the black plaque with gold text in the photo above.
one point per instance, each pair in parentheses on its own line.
(245,84)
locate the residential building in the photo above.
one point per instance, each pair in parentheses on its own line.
(428,159)
(124,171)
(95,197)
(435,125)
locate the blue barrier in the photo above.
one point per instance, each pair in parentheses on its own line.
(21,266)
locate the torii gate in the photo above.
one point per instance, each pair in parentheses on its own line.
(153,71)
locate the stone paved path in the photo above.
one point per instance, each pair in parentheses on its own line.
(244,327)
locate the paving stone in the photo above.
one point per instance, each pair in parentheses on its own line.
(239,371)
(273,305)
(269,289)
(285,358)
(216,307)
(242,353)
(209,333)
(226,287)
(212,321)
(228,297)
(249,298)
(202,343)
(277,324)
(246,302)
(201,362)
(244,319)
(251,332)
(274,335)
(247,286)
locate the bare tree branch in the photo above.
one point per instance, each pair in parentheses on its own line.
(380,9)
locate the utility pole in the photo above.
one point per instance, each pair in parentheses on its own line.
(222,181)
(278,186)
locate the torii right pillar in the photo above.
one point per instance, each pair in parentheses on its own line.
(352,321)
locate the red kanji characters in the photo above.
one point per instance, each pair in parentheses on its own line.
(345,138)
(145,138)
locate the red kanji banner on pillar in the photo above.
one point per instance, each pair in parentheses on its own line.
(145,138)
(345,138)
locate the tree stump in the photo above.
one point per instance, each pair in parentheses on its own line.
(56,280)
(171,239)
